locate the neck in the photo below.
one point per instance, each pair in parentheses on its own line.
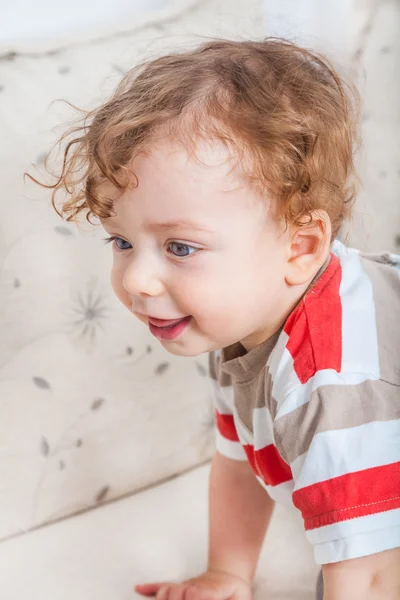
(284,306)
(276,318)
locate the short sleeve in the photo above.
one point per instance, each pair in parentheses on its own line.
(342,442)
(227,439)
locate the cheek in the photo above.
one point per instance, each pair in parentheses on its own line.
(212,296)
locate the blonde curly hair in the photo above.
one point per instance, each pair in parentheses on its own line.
(283,109)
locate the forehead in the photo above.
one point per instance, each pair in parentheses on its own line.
(174,183)
(206,162)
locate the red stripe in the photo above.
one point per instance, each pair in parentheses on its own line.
(250,456)
(226,426)
(271,465)
(315,326)
(268,464)
(349,496)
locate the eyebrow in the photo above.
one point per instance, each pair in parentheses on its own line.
(168,226)
(172,225)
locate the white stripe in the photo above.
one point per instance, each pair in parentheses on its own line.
(244,434)
(301,394)
(223,397)
(224,403)
(341,451)
(228,448)
(281,493)
(275,358)
(363,544)
(341,250)
(359,333)
(285,379)
(281,369)
(352,527)
(263,428)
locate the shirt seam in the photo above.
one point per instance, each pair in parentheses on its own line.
(356,506)
(310,520)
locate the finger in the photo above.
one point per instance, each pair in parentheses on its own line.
(177,592)
(149,589)
(163,592)
(238,596)
(195,592)
(242,594)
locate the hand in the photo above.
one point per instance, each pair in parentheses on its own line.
(211,585)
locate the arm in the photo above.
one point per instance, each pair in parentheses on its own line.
(374,577)
(239,514)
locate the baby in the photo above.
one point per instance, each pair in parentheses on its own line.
(223,176)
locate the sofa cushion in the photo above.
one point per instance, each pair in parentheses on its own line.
(159,534)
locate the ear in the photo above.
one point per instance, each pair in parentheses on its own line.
(309,248)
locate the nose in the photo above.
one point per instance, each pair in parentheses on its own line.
(141,278)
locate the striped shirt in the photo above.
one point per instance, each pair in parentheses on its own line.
(315,409)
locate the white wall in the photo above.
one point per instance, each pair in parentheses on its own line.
(27,19)
(330,25)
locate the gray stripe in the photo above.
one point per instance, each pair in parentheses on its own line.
(335,407)
(256,393)
(386,290)
(212,365)
(215,371)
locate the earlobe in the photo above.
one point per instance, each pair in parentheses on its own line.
(309,248)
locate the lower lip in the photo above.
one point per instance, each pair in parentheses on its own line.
(169,333)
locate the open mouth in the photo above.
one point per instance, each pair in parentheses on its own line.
(164,323)
(168,330)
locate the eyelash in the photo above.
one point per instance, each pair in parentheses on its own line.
(112,238)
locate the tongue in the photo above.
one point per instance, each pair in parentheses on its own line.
(160,323)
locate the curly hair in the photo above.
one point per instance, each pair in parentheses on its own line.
(284,110)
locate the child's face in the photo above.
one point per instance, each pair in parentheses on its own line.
(228,277)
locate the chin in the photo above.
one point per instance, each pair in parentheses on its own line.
(181,350)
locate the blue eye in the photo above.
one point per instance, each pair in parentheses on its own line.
(117,241)
(181,249)
(178,249)
(120,245)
